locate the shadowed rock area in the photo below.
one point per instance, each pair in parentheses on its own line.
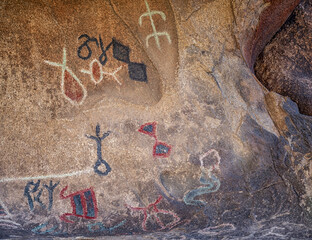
(144,120)
(285,65)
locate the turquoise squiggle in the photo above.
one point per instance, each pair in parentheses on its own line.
(52,231)
(213,185)
(103,228)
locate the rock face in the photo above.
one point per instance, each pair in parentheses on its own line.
(285,64)
(256,29)
(142,117)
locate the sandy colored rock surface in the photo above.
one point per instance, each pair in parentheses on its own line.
(172,136)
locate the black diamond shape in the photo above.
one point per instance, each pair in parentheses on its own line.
(121,52)
(137,71)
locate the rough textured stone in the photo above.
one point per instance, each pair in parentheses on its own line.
(190,145)
(285,64)
(256,29)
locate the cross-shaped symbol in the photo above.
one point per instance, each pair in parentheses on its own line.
(155,34)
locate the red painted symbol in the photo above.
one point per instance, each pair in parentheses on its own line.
(83,203)
(160,149)
(97,74)
(71,86)
(152,210)
(149,129)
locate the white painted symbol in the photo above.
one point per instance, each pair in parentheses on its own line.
(216,166)
(98,77)
(6,219)
(75,98)
(70,174)
(5,209)
(9,224)
(155,34)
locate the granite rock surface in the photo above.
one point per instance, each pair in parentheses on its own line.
(144,118)
(285,64)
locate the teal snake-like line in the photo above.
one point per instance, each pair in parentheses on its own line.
(213,185)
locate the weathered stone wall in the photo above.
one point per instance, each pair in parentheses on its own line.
(285,64)
(137,117)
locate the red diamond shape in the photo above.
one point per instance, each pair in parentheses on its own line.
(161,149)
(149,129)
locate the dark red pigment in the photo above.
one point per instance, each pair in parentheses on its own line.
(72,88)
(96,71)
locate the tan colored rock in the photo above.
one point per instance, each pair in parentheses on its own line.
(190,148)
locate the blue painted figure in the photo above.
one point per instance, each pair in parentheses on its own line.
(100,160)
(207,178)
(36,198)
